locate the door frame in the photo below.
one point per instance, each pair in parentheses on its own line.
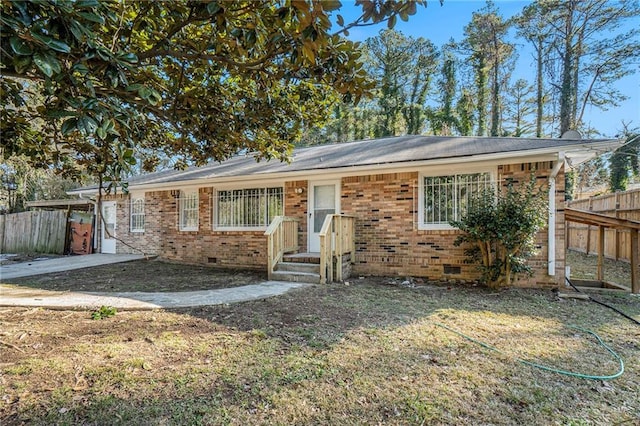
(312,237)
(108,245)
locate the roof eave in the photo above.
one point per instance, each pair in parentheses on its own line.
(532,155)
(575,154)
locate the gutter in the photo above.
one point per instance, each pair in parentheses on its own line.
(552,215)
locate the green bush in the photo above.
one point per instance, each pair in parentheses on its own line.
(500,226)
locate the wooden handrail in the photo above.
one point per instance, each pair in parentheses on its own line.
(337,238)
(282,237)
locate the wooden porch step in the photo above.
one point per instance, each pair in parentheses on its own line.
(311,268)
(298,270)
(297,277)
(302,258)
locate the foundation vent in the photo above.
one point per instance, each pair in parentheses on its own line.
(451,270)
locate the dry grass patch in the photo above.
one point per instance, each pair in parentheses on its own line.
(142,275)
(368,353)
(585,267)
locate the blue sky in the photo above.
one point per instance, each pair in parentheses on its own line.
(441,23)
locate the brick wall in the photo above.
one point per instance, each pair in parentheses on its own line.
(295,205)
(539,263)
(149,241)
(162,237)
(388,241)
(246,249)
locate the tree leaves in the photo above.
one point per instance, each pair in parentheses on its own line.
(46,63)
(214,7)
(19,46)
(198,80)
(50,42)
(68,126)
(87,125)
(331,5)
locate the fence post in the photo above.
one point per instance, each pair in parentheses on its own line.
(617,232)
(2,232)
(67,232)
(600,253)
(635,279)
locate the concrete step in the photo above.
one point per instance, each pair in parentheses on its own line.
(297,277)
(311,268)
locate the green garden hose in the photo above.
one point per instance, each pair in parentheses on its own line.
(547,368)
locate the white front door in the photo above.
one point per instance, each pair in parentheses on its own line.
(324,199)
(108,224)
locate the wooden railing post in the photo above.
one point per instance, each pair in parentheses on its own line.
(282,237)
(337,238)
(338,249)
(323,259)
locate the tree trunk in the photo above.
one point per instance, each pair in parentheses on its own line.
(577,53)
(539,88)
(482,93)
(495,90)
(566,87)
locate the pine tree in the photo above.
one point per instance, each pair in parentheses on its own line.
(485,39)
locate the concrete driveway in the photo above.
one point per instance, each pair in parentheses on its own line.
(14,295)
(66,263)
(11,295)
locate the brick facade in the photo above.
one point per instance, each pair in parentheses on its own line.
(162,236)
(388,241)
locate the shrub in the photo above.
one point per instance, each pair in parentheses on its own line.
(500,228)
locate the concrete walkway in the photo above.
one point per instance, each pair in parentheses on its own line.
(12,295)
(66,263)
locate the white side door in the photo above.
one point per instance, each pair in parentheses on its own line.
(108,224)
(324,199)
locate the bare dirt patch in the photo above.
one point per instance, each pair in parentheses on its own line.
(585,267)
(142,275)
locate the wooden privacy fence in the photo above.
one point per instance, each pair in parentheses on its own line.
(584,238)
(33,232)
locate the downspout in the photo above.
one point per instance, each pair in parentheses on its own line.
(552,215)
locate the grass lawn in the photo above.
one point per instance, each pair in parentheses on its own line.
(365,353)
(586,267)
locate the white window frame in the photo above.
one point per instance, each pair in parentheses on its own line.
(216,209)
(137,218)
(192,197)
(442,172)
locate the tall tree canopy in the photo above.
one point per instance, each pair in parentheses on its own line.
(196,80)
(403,67)
(592,50)
(533,26)
(489,54)
(624,163)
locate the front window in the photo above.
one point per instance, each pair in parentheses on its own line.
(445,198)
(189,211)
(137,215)
(248,208)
